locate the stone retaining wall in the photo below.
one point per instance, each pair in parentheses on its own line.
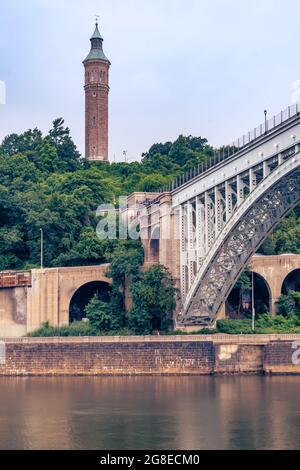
(154,356)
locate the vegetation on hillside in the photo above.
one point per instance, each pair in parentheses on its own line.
(45,184)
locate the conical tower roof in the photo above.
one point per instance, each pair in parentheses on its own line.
(96,52)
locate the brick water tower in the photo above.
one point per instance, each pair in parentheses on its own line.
(96,100)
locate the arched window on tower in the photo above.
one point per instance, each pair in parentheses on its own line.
(94,121)
(94,151)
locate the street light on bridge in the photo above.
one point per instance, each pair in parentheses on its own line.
(266,122)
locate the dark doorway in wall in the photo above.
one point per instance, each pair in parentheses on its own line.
(84,294)
(239,303)
(291,282)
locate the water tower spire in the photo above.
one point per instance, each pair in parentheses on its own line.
(96,89)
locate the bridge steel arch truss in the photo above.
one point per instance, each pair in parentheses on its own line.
(222,229)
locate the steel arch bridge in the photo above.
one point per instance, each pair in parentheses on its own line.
(219,214)
(248,228)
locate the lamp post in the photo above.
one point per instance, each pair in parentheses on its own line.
(253,305)
(266,122)
(42,248)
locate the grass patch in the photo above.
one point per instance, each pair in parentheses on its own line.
(77,328)
(265,324)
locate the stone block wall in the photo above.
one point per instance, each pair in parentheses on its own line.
(238,358)
(97,358)
(282,357)
(151,356)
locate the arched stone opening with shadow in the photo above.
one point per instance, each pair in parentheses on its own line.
(83,296)
(239,302)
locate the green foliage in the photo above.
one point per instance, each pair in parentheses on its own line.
(265,324)
(285,239)
(152,183)
(125,262)
(75,329)
(245,282)
(99,314)
(183,154)
(153,301)
(44,183)
(234,327)
(289,305)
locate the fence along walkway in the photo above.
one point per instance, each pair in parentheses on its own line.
(235,147)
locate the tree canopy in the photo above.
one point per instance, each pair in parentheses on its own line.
(45,184)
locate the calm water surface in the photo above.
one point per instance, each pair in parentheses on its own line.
(150,413)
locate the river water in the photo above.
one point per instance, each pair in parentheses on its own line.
(150,413)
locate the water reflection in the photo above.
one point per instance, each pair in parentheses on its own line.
(150,413)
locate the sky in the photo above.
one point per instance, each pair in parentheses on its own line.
(195,67)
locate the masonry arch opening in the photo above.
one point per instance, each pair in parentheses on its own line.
(83,295)
(291,282)
(154,245)
(239,302)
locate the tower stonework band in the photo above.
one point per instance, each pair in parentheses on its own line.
(96,100)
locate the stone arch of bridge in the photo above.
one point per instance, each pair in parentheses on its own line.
(82,296)
(154,245)
(275,269)
(248,228)
(70,280)
(262,302)
(291,282)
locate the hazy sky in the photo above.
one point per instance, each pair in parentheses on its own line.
(200,67)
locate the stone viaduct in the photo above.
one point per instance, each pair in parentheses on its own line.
(46,295)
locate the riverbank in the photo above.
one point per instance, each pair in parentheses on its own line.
(161,355)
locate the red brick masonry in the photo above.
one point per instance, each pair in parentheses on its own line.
(153,356)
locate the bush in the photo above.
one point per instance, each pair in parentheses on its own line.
(265,324)
(289,305)
(153,301)
(99,315)
(234,327)
(75,329)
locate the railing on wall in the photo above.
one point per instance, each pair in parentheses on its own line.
(15,279)
(240,144)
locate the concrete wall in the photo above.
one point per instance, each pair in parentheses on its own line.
(13,311)
(144,356)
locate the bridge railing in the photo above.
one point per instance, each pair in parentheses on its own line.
(239,144)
